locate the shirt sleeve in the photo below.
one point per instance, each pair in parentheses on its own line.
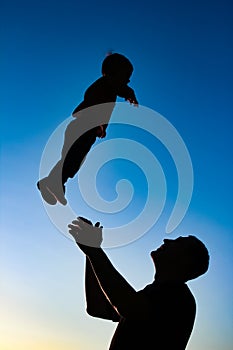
(97,305)
(126,92)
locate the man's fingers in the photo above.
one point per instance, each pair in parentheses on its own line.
(75,222)
(77,225)
(73,233)
(85,220)
(74,228)
(81,223)
(85,225)
(98,225)
(84,232)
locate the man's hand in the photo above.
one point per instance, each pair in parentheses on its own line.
(85,234)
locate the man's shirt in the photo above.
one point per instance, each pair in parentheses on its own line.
(167,324)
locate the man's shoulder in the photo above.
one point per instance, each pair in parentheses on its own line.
(181,297)
(168,291)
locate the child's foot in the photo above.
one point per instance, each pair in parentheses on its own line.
(51,191)
(45,193)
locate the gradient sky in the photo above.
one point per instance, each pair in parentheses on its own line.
(51,51)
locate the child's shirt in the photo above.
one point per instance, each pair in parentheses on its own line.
(104,90)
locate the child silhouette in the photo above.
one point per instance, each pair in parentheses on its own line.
(80,135)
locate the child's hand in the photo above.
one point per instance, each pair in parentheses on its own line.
(132,101)
(85,234)
(131,98)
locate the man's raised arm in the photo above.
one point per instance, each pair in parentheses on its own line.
(117,290)
(97,305)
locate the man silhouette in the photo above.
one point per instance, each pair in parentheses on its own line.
(160,316)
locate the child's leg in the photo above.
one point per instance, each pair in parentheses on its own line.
(70,136)
(76,154)
(51,187)
(47,195)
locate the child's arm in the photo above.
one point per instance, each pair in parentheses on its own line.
(129,94)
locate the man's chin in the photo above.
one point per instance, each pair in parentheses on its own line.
(153,255)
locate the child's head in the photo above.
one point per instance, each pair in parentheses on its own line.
(117,65)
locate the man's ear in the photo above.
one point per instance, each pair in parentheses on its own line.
(187,269)
(181,267)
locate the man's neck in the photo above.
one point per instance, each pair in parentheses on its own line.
(165,279)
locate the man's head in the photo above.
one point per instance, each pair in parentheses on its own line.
(116,65)
(182,259)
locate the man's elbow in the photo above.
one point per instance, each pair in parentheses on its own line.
(134,309)
(111,316)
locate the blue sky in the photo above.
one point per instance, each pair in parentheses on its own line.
(51,51)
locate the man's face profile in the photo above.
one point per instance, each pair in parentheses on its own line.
(170,250)
(183,258)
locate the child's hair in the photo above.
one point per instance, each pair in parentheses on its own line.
(115,64)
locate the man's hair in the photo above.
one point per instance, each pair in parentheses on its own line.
(115,64)
(198,258)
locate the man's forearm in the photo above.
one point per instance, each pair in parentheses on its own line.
(115,287)
(97,305)
(117,290)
